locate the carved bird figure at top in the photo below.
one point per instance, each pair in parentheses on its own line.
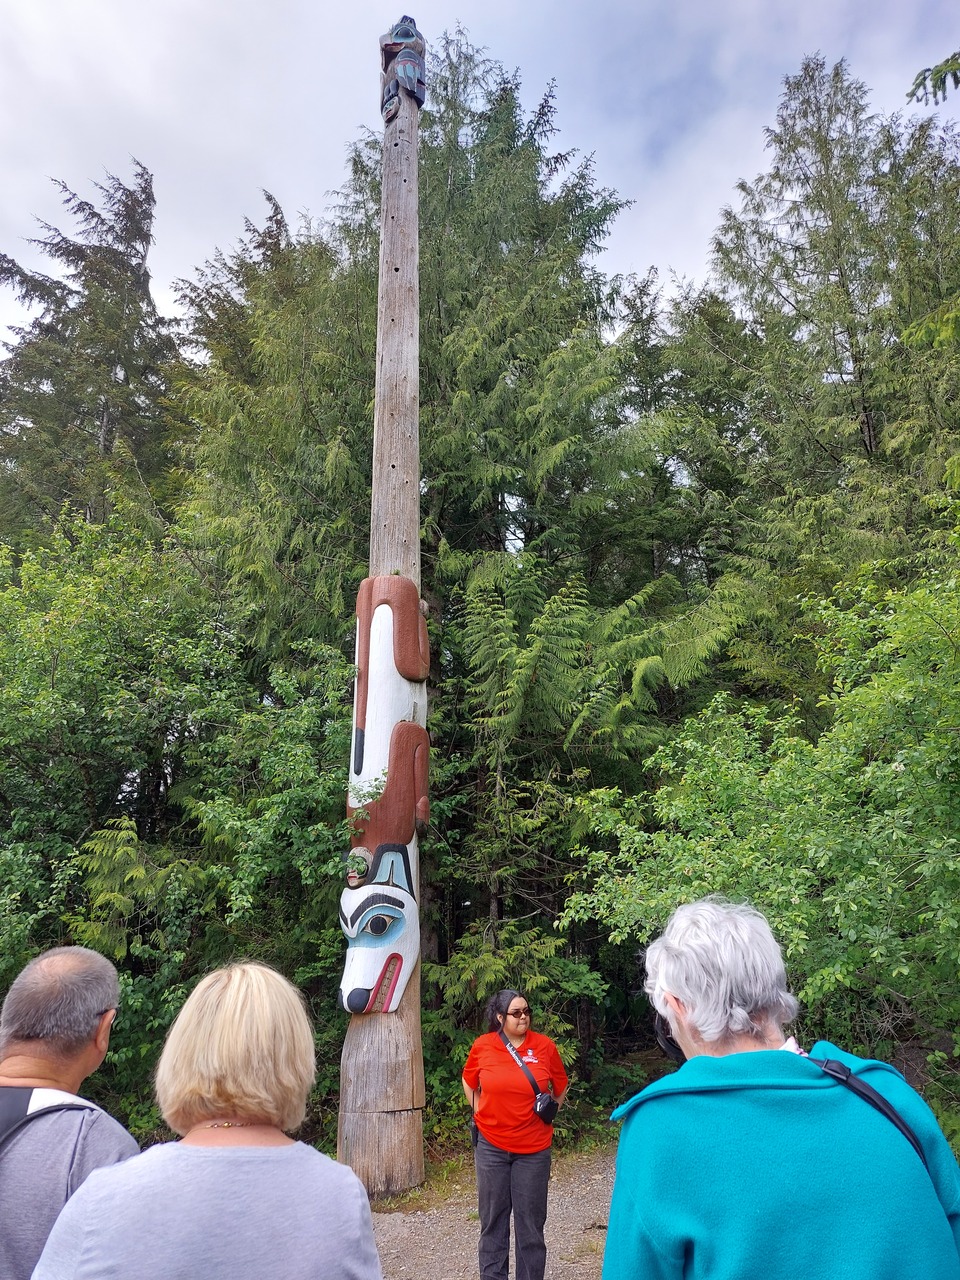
(401,51)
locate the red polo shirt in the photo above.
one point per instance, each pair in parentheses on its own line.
(504,1110)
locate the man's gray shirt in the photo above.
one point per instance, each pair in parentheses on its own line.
(41,1166)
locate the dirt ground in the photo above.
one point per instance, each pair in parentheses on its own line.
(433,1235)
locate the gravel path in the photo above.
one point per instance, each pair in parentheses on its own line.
(440,1242)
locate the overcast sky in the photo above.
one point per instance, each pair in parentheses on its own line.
(221,98)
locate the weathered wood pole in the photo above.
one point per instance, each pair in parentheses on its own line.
(380,1132)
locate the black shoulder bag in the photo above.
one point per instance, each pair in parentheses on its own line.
(544,1104)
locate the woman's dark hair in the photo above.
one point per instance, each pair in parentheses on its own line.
(497,1007)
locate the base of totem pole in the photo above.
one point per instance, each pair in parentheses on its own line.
(380,1128)
(385,1151)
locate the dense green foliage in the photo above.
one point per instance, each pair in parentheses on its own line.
(692,581)
(849,843)
(159,804)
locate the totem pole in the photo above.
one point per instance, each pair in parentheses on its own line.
(381,1070)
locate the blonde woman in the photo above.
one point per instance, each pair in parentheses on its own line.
(236,1197)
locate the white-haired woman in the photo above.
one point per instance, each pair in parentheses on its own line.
(751,1161)
(235,1198)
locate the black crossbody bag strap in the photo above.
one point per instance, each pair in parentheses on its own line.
(517,1059)
(843,1075)
(14,1101)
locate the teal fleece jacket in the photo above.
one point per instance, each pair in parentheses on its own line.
(758,1166)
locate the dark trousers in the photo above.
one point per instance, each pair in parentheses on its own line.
(517,1184)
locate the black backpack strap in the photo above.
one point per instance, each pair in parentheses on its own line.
(843,1075)
(14,1102)
(15,1112)
(519,1061)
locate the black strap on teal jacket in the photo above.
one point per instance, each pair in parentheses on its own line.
(843,1075)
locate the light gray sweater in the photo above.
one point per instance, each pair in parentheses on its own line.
(224,1213)
(41,1165)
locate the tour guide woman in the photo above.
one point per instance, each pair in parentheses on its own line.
(235,1199)
(751,1160)
(513,1147)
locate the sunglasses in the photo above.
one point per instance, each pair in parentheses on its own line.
(518,1013)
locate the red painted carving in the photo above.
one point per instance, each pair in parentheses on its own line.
(403,803)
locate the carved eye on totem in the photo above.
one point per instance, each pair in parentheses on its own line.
(379,922)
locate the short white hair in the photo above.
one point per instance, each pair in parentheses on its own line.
(722,961)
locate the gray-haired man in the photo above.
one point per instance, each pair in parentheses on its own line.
(54,1032)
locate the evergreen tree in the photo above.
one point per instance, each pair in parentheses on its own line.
(83,413)
(935,81)
(523,447)
(282,395)
(810,435)
(850,237)
(513,318)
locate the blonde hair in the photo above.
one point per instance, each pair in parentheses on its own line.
(242,1045)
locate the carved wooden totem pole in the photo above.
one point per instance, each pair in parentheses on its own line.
(381,1070)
